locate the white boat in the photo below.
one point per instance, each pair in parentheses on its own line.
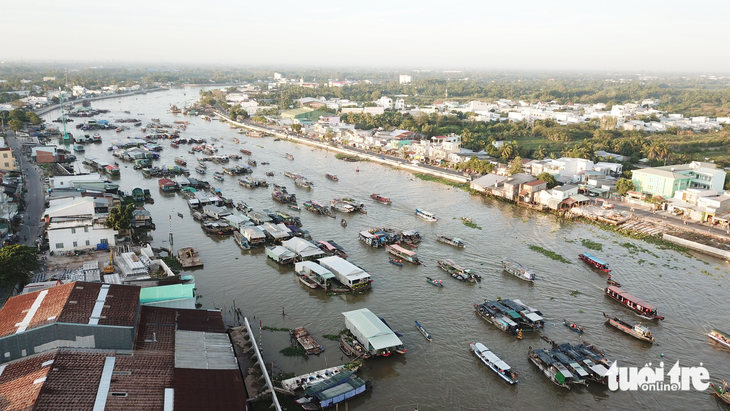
(306,380)
(720,337)
(425,215)
(341,206)
(495,363)
(517,270)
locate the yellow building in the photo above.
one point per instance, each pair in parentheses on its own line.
(7,161)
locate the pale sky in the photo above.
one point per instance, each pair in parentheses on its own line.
(638,35)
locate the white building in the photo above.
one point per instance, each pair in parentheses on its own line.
(385,102)
(400,104)
(404,79)
(72,224)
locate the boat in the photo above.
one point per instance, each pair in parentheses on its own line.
(457,271)
(638,306)
(467,220)
(573,326)
(343,222)
(380,199)
(520,316)
(424,332)
(721,337)
(456,242)
(96,138)
(200,170)
(138,194)
(235,141)
(341,206)
(491,360)
(270,173)
(251,162)
(723,393)
(350,346)
(295,208)
(425,215)
(323,396)
(517,270)
(395,262)
(635,330)
(310,345)
(308,281)
(553,369)
(246,152)
(402,253)
(332,177)
(265,163)
(218,176)
(496,317)
(611,281)
(241,241)
(437,283)
(594,262)
(79,148)
(289,156)
(310,379)
(180,161)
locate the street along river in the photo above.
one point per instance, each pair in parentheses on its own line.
(692,292)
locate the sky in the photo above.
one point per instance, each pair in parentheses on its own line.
(639,35)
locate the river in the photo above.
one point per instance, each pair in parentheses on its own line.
(692,292)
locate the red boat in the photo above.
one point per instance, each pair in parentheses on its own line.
(635,304)
(596,263)
(332,177)
(380,199)
(246,152)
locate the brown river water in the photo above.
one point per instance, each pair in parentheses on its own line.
(691,291)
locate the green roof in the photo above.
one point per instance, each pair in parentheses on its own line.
(166,292)
(336,391)
(304,113)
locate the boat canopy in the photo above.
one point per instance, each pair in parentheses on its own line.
(328,246)
(410,233)
(632,298)
(402,250)
(533,317)
(595,259)
(341,267)
(723,334)
(363,323)
(365,234)
(597,368)
(492,357)
(341,392)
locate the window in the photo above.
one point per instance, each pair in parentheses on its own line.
(7,164)
(73,231)
(104,241)
(87,242)
(59,245)
(86,229)
(76,244)
(5,155)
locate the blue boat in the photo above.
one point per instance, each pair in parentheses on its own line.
(499,367)
(395,262)
(573,326)
(424,332)
(595,262)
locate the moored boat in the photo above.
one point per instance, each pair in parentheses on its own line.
(496,317)
(241,241)
(343,222)
(437,283)
(721,337)
(425,215)
(332,177)
(635,304)
(555,371)
(491,360)
(456,242)
(218,176)
(573,326)
(635,330)
(517,270)
(402,253)
(180,161)
(310,345)
(380,199)
(424,332)
(594,262)
(457,271)
(200,170)
(723,392)
(246,152)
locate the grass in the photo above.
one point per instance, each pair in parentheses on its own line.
(274,328)
(349,157)
(591,245)
(429,177)
(550,254)
(293,351)
(470,225)
(336,337)
(173,263)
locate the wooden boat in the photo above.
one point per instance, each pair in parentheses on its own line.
(611,281)
(295,208)
(252,162)
(425,215)
(246,152)
(395,262)
(402,253)
(380,199)
(302,336)
(241,241)
(270,173)
(456,242)
(343,222)
(635,304)
(332,177)
(723,392)
(573,326)
(424,332)
(308,281)
(457,271)
(289,156)
(218,176)
(594,262)
(174,145)
(180,161)
(352,348)
(202,165)
(489,359)
(720,337)
(635,330)
(264,163)
(497,318)
(520,316)
(517,270)
(467,220)
(199,170)
(437,283)
(235,141)
(552,369)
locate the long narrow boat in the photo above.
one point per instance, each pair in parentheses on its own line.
(723,392)
(573,326)
(395,262)
(635,330)
(401,252)
(456,242)
(425,215)
(518,270)
(457,271)
(491,360)
(635,304)
(595,262)
(424,332)
(437,283)
(332,177)
(721,337)
(380,199)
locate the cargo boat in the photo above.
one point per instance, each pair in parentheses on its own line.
(425,215)
(310,345)
(635,330)
(404,254)
(720,337)
(457,271)
(635,304)
(518,270)
(456,242)
(380,199)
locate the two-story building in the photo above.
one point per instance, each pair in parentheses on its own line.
(665,181)
(73,224)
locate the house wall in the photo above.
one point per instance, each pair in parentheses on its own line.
(7,160)
(67,237)
(657,185)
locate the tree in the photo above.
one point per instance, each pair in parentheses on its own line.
(16,262)
(548,178)
(15,124)
(516,165)
(120,218)
(296,127)
(624,185)
(540,154)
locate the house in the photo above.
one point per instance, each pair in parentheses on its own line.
(568,168)
(513,185)
(487,182)
(529,190)
(280,254)
(371,332)
(142,219)
(303,249)
(555,197)
(7,160)
(215,211)
(404,79)
(347,273)
(73,224)
(666,180)
(609,169)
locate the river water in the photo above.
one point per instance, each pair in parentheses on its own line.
(692,292)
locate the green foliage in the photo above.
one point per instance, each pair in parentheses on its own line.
(351,158)
(336,337)
(624,185)
(476,165)
(173,263)
(274,328)
(429,177)
(296,127)
(516,165)
(293,351)
(591,245)
(548,178)
(237,113)
(120,217)
(16,262)
(550,254)
(15,124)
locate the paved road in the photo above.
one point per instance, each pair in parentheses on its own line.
(31,228)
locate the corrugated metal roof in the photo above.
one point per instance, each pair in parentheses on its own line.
(166,292)
(372,328)
(197,390)
(201,350)
(200,320)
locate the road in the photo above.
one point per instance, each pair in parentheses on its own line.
(30,229)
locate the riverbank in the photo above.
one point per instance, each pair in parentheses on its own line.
(43,110)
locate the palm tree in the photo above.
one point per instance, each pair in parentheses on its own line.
(540,153)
